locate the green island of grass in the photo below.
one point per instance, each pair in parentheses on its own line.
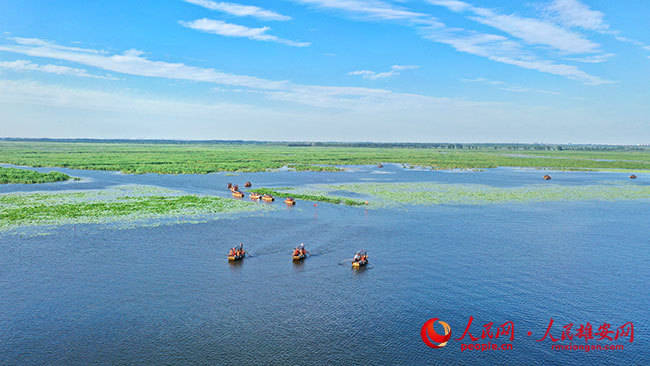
(282,192)
(427,193)
(24,176)
(202,158)
(123,203)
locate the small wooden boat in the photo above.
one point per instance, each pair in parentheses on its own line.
(290,201)
(362,259)
(255,196)
(547,177)
(237,194)
(268,198)
(360,263)
(299,253)
(248,184)
(632,176)
(299,257)
(232,258)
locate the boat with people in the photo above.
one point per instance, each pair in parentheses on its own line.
(632,176)
(547,177)
(360,259)
(248,184)
(237,194)
(236,253)
(255,196)
(299,253)
(268,198)
(290,201)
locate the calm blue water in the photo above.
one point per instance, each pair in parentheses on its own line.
(166,295)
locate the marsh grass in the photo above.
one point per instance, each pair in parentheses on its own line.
(24,176)
(209,158)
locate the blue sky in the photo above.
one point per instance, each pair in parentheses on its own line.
(555,71)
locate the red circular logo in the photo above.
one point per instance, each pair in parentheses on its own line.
(431,338)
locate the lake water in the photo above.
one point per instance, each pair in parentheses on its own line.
(103,294)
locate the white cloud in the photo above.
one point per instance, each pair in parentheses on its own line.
(554,30)
(573,13)
(404,67)
(453,5)
(501,49)
(239,10)
(483,80)
(494,47)
(551,67)
(40,110)
(635,42)
(133,62)
(234,30)
(502,85)
(43,110)
(394,71)
(24,65)
(32,92)
(36,42)
(530,30)
(594,59)
(372,9)
(537,32)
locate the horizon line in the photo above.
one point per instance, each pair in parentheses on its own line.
(299,142)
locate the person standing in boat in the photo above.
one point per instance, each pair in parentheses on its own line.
(357,257)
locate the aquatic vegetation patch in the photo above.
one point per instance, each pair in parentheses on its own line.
(122,203)
(290,192)
(314,168)
(25,176)
(390,194)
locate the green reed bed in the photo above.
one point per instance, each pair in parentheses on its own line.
(24,176)
(123,203)
(161,158)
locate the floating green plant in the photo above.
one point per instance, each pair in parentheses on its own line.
(435,193)
(289,192)
(122,203)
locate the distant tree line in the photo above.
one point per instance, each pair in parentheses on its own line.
(443,145)
(488,146)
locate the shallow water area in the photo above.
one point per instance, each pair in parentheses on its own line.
(164,293)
